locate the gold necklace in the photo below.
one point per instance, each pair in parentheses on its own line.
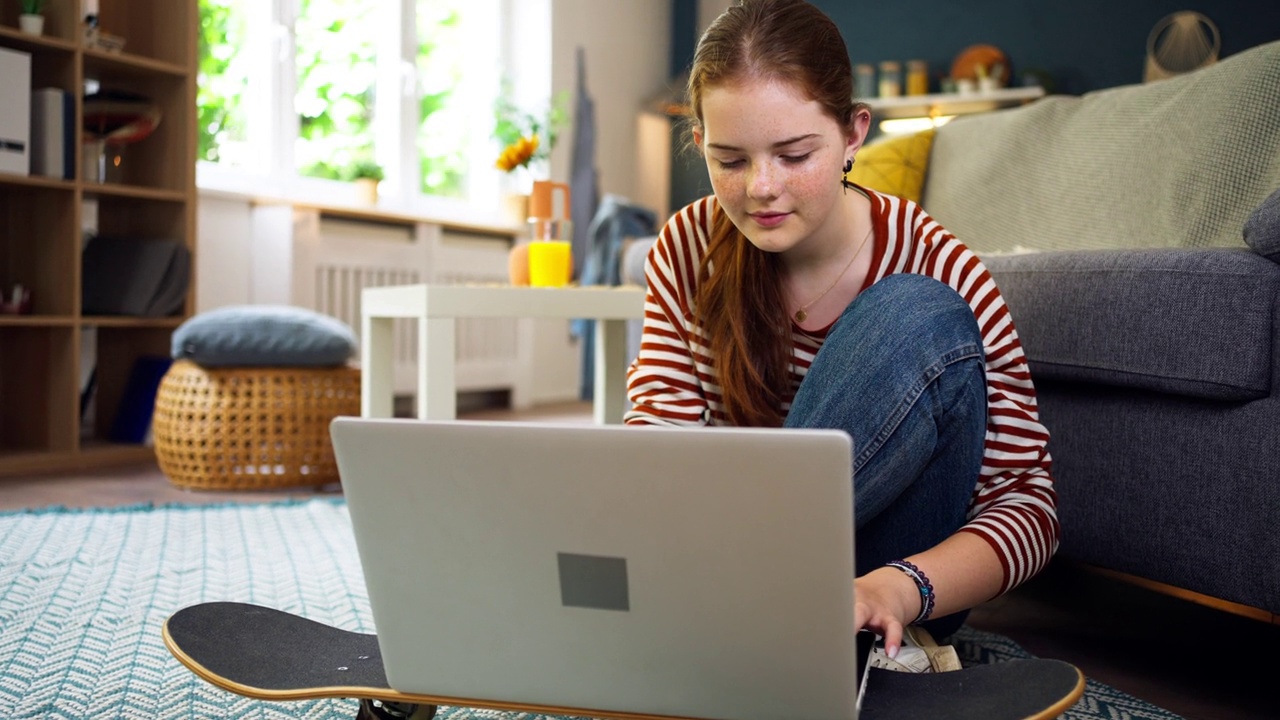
(801,314)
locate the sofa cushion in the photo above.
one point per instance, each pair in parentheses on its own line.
(1196,323)
(1179,162)
(895,165)
(263,335)
(1262,230)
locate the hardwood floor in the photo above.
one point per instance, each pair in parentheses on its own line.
(1194,661)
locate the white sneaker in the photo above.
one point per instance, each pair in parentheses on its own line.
(910,659)
(919,653)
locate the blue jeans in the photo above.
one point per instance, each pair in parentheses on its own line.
(902,372)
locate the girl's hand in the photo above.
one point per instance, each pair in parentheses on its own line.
(885,600)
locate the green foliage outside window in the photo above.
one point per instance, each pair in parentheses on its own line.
(337,42)
(221,82)
(442,167)
(337,75)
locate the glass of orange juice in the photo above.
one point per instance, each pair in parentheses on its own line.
(549,263)
(550,257)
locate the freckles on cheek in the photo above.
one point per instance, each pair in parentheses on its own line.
(725,186)
(810,185)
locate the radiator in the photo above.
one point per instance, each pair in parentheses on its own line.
(334,259)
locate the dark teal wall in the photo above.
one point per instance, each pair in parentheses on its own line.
(684,34)
(1084,44)
(689,179)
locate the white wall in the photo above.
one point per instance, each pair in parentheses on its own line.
(223,260)
(628,49)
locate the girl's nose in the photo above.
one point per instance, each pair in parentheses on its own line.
(763,181)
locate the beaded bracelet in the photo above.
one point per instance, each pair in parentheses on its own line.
(922,584)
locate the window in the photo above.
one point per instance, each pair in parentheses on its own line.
(223,72)
(336,60)
(293,93)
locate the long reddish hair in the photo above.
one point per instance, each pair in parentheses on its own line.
(740,305)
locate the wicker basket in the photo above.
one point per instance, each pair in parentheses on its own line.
(253,428)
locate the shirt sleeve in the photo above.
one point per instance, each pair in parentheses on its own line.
(1014,505)
(663,381)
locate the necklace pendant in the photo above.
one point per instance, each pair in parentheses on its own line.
(801,315)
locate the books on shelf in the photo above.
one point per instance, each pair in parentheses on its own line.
(53,133)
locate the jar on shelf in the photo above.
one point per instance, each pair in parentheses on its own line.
(864,78)
(917,77)
(890,78)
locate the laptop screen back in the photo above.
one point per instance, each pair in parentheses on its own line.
(701,573)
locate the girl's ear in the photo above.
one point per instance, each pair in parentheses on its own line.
(859,126)
(697,137)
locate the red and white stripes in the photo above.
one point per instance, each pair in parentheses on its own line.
(672,381)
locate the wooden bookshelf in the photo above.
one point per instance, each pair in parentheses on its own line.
(46,355)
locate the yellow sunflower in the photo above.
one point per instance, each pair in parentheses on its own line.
(517,153)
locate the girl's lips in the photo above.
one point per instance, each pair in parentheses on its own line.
(769,219)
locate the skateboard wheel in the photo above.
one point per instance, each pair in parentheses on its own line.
(383,710)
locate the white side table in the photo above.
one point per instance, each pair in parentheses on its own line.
(437,308)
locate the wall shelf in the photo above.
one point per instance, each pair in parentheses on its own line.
(939,104)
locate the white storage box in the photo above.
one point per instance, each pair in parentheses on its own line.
(15,112)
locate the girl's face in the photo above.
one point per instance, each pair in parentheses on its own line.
(776,159)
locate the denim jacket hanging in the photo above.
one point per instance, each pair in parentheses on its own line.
(616,220)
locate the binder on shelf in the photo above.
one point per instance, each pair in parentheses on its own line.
(133,276)
(133,419)
(53,135)
(15,112)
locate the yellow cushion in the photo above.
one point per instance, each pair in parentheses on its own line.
(895,165)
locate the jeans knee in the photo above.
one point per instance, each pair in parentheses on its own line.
(929,312)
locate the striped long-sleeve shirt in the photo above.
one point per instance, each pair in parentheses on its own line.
(673,382)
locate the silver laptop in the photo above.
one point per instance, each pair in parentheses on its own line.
(599,570)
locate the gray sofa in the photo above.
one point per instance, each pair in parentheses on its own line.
(1114,225)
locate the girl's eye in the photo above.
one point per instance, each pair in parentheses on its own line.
(796,159)
(729,164)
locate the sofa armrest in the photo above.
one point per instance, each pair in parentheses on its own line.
(1196,323)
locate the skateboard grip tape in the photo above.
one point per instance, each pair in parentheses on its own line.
(1016,688)
(266,649)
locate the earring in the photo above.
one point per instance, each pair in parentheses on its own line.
(844,182)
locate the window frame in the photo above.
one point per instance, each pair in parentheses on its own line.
(273,125)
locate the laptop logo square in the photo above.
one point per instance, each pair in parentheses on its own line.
(593,581)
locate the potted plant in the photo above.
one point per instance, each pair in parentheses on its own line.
(366,174)
(31,20)
(525,139)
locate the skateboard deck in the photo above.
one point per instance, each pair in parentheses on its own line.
(268,654)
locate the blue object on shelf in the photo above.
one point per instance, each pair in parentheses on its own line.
(133,418)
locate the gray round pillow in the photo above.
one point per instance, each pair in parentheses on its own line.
(264,335)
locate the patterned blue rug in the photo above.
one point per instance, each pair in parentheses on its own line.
(83,595)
